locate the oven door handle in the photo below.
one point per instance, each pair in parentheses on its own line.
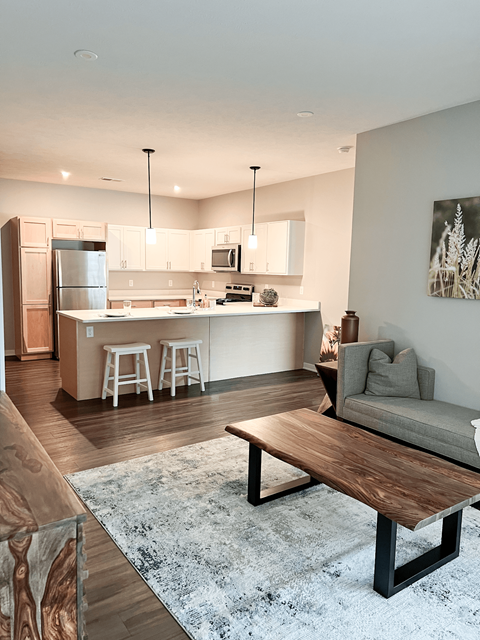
(229,258)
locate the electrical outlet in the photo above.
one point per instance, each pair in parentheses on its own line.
(89,332)
(170,283)
(130,283)
(301,291)
(213,284)
(267,287)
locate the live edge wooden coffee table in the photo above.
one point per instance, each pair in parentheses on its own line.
(403,485)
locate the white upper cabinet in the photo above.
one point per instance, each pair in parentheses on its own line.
(126,248)
(171,251)
(203,241)
(254,260)
(285,247)
(78,230)
(228,235)
(114,247)
(179,249)
(156,255)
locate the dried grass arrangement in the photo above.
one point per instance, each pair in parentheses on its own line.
(454,260)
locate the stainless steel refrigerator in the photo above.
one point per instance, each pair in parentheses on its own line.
(80,279)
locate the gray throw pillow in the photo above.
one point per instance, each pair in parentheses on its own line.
(397,378)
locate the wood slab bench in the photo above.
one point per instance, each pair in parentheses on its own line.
(405,486)
(41,540)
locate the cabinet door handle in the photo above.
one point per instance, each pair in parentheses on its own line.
(267,266)
(126,264)
(83,233)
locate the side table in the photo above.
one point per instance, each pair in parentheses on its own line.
(328,372)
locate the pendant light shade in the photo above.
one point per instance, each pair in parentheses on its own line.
(151,234)
(252,238)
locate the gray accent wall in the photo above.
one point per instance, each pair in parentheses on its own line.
(400,171)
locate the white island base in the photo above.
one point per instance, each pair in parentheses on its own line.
(234,344)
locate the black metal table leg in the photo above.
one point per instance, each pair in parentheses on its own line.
(387,580)
(254,494)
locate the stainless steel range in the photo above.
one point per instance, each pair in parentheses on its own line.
(237,293)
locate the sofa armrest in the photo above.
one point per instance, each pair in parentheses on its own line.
(426,382)
(353,367)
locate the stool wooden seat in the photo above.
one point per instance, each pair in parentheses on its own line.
(193,351)
(135,349)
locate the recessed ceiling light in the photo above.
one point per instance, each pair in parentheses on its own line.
(111,179)
(305,114)
(344,149)
(176,188)
(89,56)
(65,174)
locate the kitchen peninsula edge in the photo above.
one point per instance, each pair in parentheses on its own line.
(238,340)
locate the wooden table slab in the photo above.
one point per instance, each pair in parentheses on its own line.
(407,486)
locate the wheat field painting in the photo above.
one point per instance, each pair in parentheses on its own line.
(454,255)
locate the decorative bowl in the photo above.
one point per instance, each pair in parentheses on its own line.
(269,297)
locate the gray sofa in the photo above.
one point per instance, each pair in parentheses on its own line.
(439,427)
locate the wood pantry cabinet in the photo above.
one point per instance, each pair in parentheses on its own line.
(126,248)
(32,287)
(78,230)
(33,232)
(203,241)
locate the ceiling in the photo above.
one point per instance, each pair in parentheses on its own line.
(215,86)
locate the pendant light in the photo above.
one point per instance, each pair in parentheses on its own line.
(252,238)
(151,234)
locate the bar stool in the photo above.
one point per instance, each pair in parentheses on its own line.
(135,349)
(193,351)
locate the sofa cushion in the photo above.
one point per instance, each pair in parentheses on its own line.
(392,379)
(434,420)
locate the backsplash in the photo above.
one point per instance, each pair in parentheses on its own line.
(286,286)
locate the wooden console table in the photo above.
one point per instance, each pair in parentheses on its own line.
(41,540)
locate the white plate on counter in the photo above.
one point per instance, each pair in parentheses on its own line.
(115,314)
(181,311)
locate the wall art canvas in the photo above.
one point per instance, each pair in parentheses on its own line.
(454,254)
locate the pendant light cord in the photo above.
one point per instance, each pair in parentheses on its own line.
(148,152)
(255,169)
(149,194)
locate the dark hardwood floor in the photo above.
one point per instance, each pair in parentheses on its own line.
(83,435)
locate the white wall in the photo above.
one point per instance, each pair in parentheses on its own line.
(400,171)
(21,198)
(325,202)
(2,342)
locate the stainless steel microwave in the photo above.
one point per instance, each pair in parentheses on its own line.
(226,257)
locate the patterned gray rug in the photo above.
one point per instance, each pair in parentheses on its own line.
(299,568)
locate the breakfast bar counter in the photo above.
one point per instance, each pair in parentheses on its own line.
(238,340)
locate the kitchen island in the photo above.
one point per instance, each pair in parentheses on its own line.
(238,340)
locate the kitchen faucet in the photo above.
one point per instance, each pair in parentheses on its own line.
(196,287)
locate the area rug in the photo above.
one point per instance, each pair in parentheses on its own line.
(298,568)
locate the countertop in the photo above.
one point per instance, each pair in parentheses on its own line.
(161,313)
